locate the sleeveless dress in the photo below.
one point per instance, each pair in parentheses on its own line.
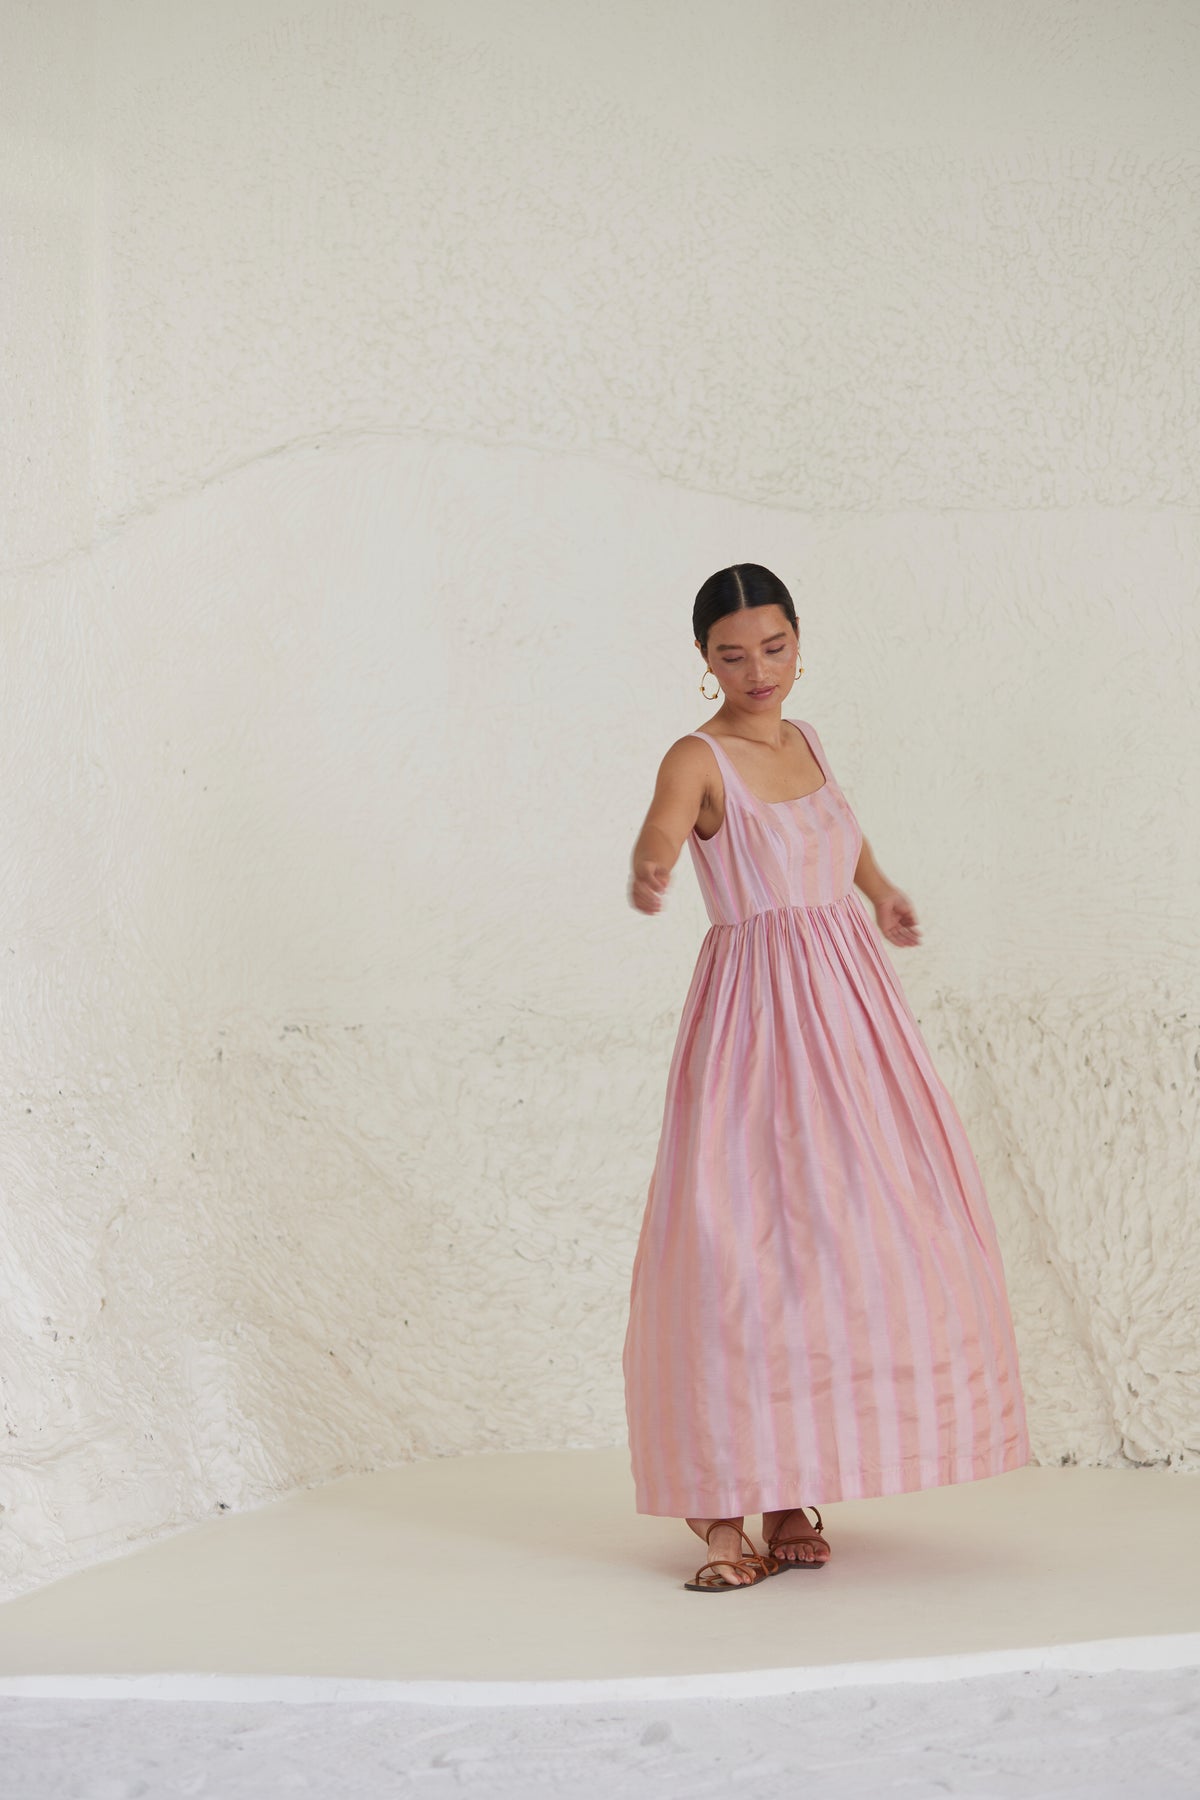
(817,1307)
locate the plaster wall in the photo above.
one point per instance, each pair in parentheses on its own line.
(384,380)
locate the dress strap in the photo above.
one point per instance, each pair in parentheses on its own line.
(809,734)
(724,764)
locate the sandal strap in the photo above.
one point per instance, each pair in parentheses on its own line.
(737,1528)
(741,1562)
(767,1564)
(774,1542)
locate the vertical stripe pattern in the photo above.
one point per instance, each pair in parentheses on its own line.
(817,1306)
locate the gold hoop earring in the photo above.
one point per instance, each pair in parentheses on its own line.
(799,668)
(703,679)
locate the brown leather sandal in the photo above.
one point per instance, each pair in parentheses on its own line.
(798,1562)
(717,1584)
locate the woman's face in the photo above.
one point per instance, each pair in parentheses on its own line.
(752,653)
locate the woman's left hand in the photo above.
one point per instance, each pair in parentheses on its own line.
(896,918)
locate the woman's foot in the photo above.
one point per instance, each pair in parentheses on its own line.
(725,1543)
(792,1522)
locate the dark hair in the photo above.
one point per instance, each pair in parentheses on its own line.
(732,590)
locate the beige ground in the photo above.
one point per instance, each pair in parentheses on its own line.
(534,1568)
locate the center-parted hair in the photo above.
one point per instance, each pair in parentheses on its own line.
(734,589)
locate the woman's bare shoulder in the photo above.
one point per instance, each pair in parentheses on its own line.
(686,750)
(689,760)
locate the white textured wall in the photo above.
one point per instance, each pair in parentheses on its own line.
(381,382)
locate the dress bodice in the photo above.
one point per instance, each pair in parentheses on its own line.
(773,853)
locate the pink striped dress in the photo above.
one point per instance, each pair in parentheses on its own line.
(817,1308)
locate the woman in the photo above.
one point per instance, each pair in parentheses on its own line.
(817,1309)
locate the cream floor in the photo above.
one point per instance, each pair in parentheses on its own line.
(529,1578)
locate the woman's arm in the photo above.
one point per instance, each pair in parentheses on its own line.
(679,793)
(868,875)
(895,914)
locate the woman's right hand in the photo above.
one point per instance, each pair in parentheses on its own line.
(647,885)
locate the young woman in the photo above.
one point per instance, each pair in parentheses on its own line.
(818,1309)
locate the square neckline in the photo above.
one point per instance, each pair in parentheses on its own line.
(757,798)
